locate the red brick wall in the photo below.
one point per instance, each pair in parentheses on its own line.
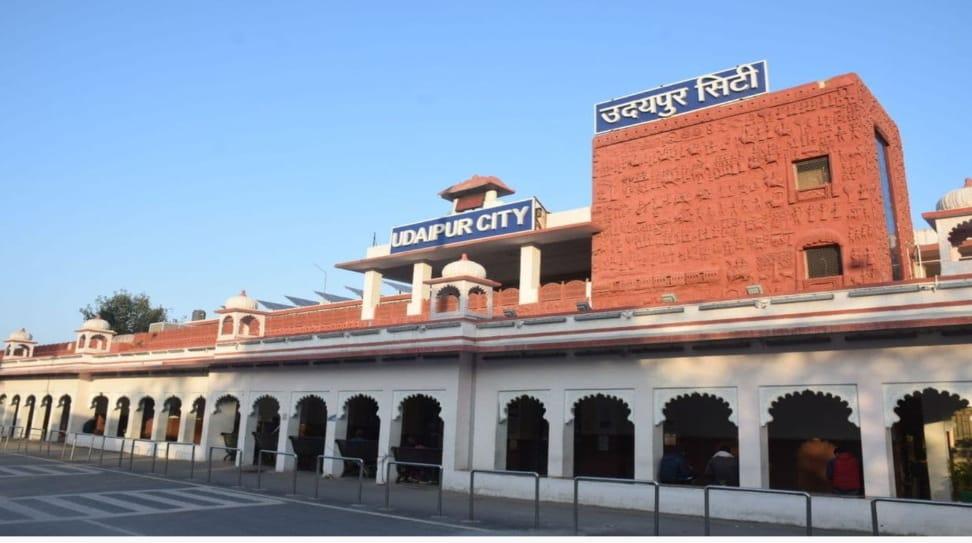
(704,204)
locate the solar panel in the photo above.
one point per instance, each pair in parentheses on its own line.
(331,298)
(357,291)
(302,302)
(274,306)
(402,288)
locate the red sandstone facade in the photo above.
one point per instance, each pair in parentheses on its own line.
(705,204)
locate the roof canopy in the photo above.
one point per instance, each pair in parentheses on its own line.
(477,183)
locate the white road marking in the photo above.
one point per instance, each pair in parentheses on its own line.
(114,528)
(10,471)
(121,504)
(32,514)
(277,498)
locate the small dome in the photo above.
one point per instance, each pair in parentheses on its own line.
(96,323)
(20,335)
(241,301)
(464,267)
(958,198)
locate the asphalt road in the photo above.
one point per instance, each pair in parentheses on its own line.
(43,495)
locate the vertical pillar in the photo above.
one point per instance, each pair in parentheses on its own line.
(387,411)
(555,437)
(372,294)
(465,413)
(751,450)
(421,272)
(874,446)
(644,438)
(333,467)
(529,274)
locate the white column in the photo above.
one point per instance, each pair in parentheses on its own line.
(421,272)
(555,437)
(529,274)
(750,437)
(372,294)
(384,433)
(874,438)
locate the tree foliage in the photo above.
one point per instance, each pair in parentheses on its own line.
(127,313)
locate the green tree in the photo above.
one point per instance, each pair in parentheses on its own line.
(127,313)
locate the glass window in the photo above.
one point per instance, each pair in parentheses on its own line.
(889,217)
(823,261)
(813,173)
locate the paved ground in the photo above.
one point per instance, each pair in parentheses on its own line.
(43,495)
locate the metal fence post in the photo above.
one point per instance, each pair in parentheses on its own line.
(536,489)
(579,479)
(875,526)
(804,495)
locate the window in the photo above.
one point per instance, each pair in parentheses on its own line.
(886,194)
(823,261)
(813,173)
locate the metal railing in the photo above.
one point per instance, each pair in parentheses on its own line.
(536,489)
(875,526)
(12,434)
(121,448)
(262,452)
(131,453)
(805,495)
(40,440)
(49,441)
(192,457)
(320,472)
(238,461)
(74,444)
(388,483)
(578,480)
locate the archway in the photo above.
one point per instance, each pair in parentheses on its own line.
(527,435)
(123,406)
(420,438)
(308,431)
(198,412)
(47,404)
(266,429)
(698,425)
(603,438)
(147,407)
(29,419)
(96,424)
(15,402)
(172,406)
(360,428)
(931,444)
(447,300)
(224,425)
(806,428)
(65,422)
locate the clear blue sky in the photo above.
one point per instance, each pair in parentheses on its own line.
(191,149)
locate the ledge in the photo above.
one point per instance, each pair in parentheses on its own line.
(498,324)
(878,291)
(658,311)
(439,325)
(365,332)
(404,328)
(597,316)
(330,335)
(797,298)
(544,320)
(727,305)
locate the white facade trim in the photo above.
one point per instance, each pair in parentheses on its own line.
(571,397)
(664,395)
(505,397)
(341,412)
(399,396)
(896,391)
(770,394)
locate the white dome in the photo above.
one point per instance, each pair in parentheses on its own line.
(96,323)
(464,267)
(958,198)
(241,301)
(20,335)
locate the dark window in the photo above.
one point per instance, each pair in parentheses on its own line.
(813,173)
(823,261)
(886,195)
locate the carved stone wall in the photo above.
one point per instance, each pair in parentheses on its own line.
(704,204)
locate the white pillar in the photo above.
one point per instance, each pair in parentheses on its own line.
(555,438)
(874,439)
(936,450)
(529,274)
(372,294)
(421,272)
(384,433)
(750,438)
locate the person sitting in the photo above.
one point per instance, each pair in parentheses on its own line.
(675,469)
(722,468)
(844,473)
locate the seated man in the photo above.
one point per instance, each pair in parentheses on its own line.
(675,469)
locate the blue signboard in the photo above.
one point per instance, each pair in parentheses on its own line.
(704,91)
(478,224)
